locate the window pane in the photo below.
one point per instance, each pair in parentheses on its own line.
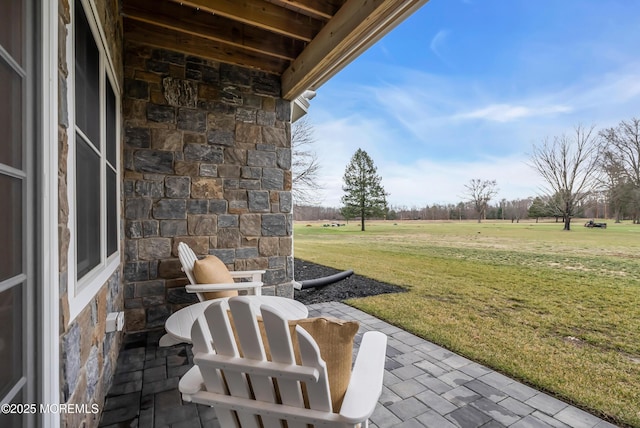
(112,213)
(10,116)
(11,35)
(111,124)
(10,338)
(87,78)
(87,207)
(14,419)
(10,228)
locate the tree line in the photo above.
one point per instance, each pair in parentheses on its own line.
(586,174)
(516,210)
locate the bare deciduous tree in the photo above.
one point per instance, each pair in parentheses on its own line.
(479,193)
(622,164)
(517,209)
(615,180)
(570,167)
(304,164)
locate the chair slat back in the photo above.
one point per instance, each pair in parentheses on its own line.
(187,259)
(246,324)
(280,344)
(317,392)
(225,344)
(202,343)
(244,381)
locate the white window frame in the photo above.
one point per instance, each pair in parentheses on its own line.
(49,360)
(81,291)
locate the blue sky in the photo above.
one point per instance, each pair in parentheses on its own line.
(463,88)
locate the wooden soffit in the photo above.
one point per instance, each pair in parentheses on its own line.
(305,42)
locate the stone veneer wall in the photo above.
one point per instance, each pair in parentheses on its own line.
(87,354)
(207,162)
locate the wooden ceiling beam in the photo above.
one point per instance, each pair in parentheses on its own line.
(354,28)
(172,16)
(262,14)
(144,33)
(320,9)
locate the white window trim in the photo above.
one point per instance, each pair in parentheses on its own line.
(81,292)
(50,328)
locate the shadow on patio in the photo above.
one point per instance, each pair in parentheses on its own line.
(424,386)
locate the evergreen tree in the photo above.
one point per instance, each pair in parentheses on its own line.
(364,195)
(539,209)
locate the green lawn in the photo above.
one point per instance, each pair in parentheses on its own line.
(558,310)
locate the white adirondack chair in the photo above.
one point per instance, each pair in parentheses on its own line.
(188,258)
(242,389)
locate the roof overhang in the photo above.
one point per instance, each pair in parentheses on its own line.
(305,42)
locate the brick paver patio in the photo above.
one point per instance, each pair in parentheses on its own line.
(424,386)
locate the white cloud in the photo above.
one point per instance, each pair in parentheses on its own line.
(417,127)
(338,140)
(614,95)
(437,43)
(507,112)
(435,108)
(429,181)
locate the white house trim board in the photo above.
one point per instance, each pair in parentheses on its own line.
(49,361)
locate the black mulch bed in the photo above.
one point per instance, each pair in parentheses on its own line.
(351,287)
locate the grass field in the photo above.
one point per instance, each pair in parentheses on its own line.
(557,310)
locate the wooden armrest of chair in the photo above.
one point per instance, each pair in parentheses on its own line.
(205,288)
(254,275)
(365,385)
(190,383)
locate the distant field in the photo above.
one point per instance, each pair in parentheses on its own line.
(558,310)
